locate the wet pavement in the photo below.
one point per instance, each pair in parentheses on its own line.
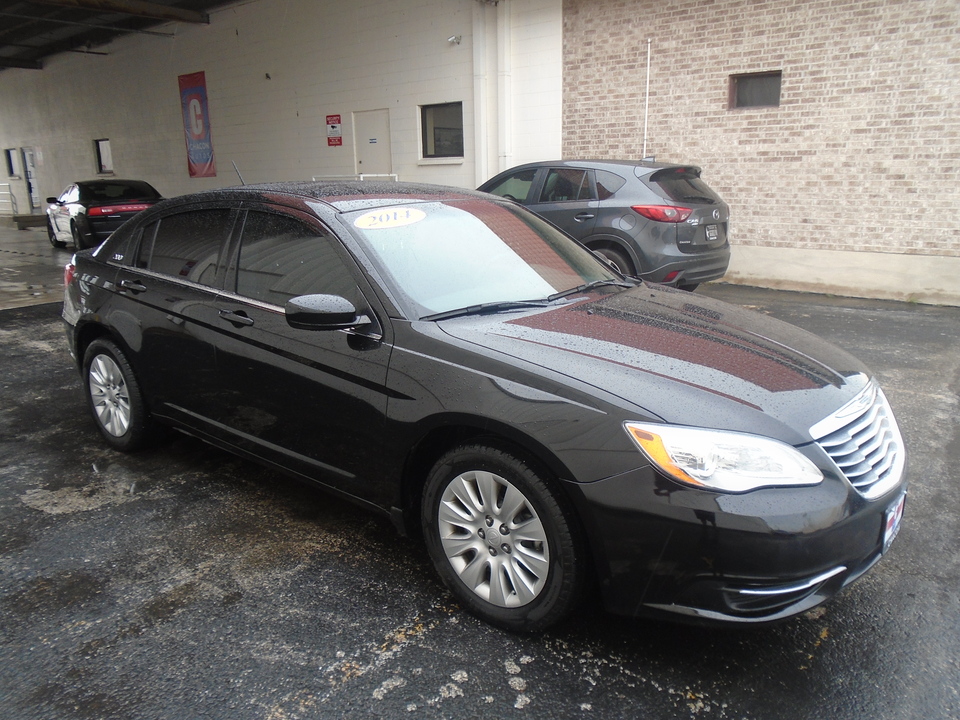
(185,583)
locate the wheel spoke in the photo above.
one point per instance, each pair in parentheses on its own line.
(489,488)
(476,576)
(514,503)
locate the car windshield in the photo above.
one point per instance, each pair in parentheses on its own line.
(458,254)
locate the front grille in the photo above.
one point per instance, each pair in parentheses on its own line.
(863,439)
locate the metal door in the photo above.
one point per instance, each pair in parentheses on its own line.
(371,142)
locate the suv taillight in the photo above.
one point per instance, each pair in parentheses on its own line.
(69,270)
(663,213)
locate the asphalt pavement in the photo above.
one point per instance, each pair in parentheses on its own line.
(184,583)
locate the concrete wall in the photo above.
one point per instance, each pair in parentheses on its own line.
(857,167)
(275,69)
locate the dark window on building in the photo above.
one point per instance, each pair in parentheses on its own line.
(755,90)
(441,128)
(104,156)
(186,245)
(281,258)
(10,156)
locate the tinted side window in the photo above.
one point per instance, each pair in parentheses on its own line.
(608,183)
(187,245)
(281,258)
(515,187)
(566,184)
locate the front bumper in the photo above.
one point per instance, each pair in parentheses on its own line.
(664,549)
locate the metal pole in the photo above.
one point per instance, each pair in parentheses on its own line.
(646,103)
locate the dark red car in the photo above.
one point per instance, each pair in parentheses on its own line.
(87,212)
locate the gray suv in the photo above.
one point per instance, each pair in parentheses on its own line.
(658,221)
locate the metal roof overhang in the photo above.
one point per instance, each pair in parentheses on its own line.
(32,31)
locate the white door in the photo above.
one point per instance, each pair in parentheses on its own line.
(371,142)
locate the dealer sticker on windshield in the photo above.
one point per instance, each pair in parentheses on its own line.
(891,525)
(387,218)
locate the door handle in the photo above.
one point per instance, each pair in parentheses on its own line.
(133,285)
(580,217)
(239,319)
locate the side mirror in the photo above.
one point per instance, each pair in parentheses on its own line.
(51,201)
(322,312)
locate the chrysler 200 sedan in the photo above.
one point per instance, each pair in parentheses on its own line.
(451,360)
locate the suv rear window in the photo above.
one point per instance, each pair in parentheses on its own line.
(683,185)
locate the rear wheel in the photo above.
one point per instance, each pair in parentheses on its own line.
(52,236)
(618,259)
(114,397)
(689,287)
(502,539)
(77,237)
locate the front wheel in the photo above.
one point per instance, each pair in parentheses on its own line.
(52,236)
(501,539)
(114,398)
(618,259)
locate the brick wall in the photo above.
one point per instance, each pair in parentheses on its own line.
(863,152)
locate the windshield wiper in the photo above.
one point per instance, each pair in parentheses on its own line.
(489,307)
(590,286)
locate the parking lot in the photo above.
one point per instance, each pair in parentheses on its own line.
(183,582)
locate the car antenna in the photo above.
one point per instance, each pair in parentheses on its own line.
(238,172)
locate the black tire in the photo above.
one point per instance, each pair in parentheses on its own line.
(501,539)
(53,236)
(77,237)
(618,259)
(114,397)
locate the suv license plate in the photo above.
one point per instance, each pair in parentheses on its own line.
(891,524)
(711,232)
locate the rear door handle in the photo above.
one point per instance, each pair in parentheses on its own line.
(584,216)
(239,319)
(133,285)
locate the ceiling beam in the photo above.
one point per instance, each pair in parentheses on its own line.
(137,8)
(24,64)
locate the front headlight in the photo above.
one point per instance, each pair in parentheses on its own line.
(724,461)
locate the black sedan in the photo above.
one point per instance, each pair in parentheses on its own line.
(453,361)
(87,212)
(658,221)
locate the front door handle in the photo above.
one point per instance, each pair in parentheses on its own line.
(584,216)
(133,285)
(239,318)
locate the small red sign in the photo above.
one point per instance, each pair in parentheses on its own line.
(334,130)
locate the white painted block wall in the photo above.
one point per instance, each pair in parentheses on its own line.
(322,58)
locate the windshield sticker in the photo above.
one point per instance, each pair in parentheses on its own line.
(391,218)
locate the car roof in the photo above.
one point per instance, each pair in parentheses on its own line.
(635,166)
(344,196)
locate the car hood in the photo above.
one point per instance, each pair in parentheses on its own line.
(680,358)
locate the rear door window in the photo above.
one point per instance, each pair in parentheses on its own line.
(187,245)
(566,184)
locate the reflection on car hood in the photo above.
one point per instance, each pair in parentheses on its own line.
(682,358)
